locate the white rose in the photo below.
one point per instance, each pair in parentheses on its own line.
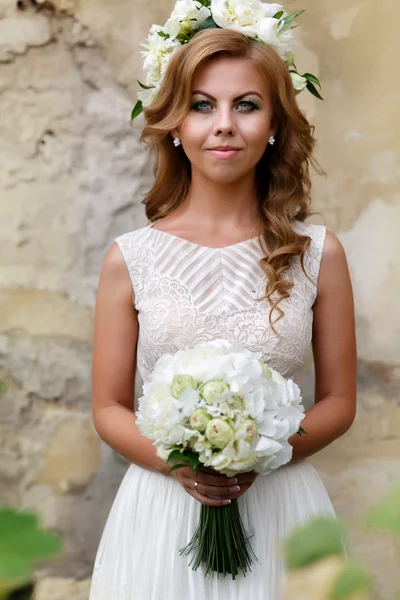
(182,383)
(299,82)
(247,430)
(200,419)
(219,433)
(212,389)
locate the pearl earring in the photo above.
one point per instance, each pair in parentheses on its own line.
(271,140)
(177,142)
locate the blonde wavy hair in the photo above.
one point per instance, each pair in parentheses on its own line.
(282,174)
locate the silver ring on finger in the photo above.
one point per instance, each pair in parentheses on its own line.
(196,483)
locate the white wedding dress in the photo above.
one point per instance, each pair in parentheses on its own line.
(184,294)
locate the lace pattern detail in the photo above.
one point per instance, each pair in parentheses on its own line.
(186,293)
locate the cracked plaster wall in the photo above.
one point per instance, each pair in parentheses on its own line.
(72,177)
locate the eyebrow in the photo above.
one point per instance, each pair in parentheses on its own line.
(252,93)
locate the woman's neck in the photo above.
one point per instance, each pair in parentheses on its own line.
(234,204)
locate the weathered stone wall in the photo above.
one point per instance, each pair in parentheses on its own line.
(72,178)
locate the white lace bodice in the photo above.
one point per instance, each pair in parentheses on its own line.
(186,293)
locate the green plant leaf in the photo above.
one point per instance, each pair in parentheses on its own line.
(163,34)
(176,455)
(312,78)
(22,544)
(278,14)
(209,23)
(301,431)
(352,579)
(386,514)
(311,88)
(321,537)
(138,108)
(290,18)
(194,461)
(145,87)
(179,466)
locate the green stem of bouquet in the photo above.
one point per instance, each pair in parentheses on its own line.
(220,542)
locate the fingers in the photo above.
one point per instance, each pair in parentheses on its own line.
(214,479)
(217,490)
(249,477)
(210,483)
(206,499)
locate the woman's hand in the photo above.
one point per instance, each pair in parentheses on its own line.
(211,483)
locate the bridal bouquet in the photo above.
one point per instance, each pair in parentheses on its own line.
(219,405)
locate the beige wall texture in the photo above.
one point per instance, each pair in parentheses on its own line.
(72,178)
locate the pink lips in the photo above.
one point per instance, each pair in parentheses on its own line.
(224,151)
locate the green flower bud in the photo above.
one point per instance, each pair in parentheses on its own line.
(219,433)
(289,59)
(200,419)
(212,389)
(266,370)
(247,430)
(187,27)
(237,403)
(182,383)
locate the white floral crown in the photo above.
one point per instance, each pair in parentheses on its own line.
(267,23)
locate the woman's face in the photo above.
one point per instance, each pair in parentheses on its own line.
(231,108)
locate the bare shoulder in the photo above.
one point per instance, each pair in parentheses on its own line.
(114,261)
(333,248)
(114,275)
(334,269)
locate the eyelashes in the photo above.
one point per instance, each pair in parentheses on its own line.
(205,105)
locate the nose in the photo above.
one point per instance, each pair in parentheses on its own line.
(224,123)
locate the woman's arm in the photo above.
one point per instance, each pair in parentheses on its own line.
(114,366)
(334,349)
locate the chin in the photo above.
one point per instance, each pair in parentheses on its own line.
(229,176)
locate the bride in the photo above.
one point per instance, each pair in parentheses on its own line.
(228,253)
